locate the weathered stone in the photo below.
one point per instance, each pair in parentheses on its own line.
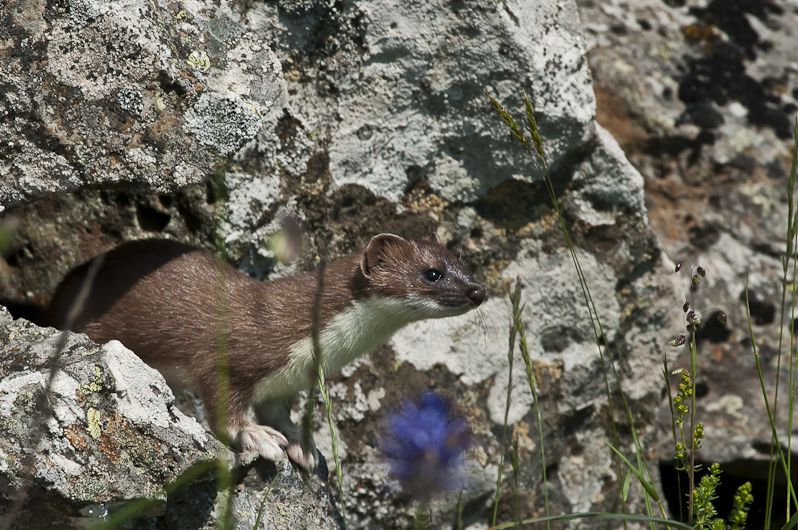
(702,97)
(116,437)
(101,93)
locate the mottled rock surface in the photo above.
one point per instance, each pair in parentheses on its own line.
(115,436)
(384,126)
(702,96)
(126,92)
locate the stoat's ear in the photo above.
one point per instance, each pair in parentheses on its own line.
(374,254)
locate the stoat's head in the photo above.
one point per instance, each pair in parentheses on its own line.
(423,276)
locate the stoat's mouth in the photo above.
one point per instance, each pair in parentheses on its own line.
(445,310)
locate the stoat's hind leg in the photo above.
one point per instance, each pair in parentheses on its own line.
(278,415)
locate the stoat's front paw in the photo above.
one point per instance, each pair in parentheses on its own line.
(266,441)
(304,459)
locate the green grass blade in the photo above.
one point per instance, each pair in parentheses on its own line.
(515,298)
(601,516)
(768,409)
(648,486)
(792,523)
(532,383)
(792,216)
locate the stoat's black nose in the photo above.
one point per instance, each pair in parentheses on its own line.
(475,293)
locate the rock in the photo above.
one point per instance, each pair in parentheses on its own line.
(98,93)
(708,125)
(115,437)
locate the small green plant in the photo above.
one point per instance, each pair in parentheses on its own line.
(742,503)
(706,516)
(688,432)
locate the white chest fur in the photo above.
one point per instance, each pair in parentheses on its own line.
(358,330)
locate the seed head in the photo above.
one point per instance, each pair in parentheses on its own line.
(693,319)
(677,341)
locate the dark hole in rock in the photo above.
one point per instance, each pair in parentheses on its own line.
(618,28)
(776,170)
(525,198)
(732,476)
(13,258)
(215,191)
(745,164)
(761,447)
(556,339)
(317,168)
(714,330)
(704,137)
(703,114)
(413,172)
(151,219)
(762,310)
(169,85)
(575,422)
(287,127)
(701,389)
(27,310)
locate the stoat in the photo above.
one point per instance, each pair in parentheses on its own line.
(186,313)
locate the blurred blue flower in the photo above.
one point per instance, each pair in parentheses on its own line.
(423,445)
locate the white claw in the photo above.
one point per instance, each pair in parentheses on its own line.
(306,460)
(266,441)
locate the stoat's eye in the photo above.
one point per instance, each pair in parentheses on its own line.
(433,275)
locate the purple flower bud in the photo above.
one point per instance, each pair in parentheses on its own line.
(701,272)
(678,267)
(686,306)
(693,318)
(424,445)
(677,341)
